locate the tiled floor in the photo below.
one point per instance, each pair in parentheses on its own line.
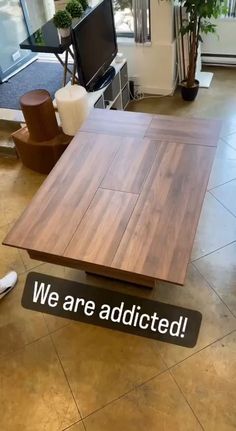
(58,375)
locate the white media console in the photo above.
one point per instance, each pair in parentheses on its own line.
(116,94)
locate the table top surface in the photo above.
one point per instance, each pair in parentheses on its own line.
(126,195)
(46,39)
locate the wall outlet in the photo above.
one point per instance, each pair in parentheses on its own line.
(16,55)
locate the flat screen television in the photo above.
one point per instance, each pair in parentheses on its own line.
(95,46)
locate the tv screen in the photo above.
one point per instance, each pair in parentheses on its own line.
(94,40)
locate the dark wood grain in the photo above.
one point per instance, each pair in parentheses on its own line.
(49,223)
(102,227)
(159,237)
(117,123)
(131,165)
(92,268)
(121,205)
(184,130)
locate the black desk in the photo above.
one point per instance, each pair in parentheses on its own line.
(47,39)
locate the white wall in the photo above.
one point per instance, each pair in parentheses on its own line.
(224,43)
(154,64)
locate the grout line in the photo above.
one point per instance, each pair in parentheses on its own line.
(219,185)
(200,350)
(212,287)
(186,400)
(134,388)
(138,386)
(4,355)
(85,429)
(27,270)
(227,136)
(212,252)
(75,423)
(11,352)
(227,209)
(58,329)
(60,362)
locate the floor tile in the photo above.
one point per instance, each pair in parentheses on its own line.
(157,405)
(34,392)
(219,269)
(226,194)
(196,294)
(231,139)
(18,189)
(101,364)
(29,264)
(7,128)
(77,427)
(216,228)
(18,326)
(10,258)
(53,322)
(224,166)
(228,128)
(208,381)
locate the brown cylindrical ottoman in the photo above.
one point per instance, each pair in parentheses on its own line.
(39,114)
(39,156)
(41,143)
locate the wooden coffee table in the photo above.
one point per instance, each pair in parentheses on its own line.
(125,198)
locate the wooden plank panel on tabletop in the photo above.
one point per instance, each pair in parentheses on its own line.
(56,210)
(102,227)
(193,131)
(120,123)
(131,165)
(159,237)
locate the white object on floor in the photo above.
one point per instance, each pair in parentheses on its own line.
(204,79)
(7,283)
(72,105)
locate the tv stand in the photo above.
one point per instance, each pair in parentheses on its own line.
(105,79)
(114,94)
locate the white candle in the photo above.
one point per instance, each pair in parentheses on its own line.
(72,105)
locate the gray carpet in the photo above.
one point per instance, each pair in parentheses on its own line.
(38,75)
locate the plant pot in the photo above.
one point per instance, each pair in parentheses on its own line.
(189,93)
(64,32)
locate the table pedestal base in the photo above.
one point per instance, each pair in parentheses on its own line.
(95,270)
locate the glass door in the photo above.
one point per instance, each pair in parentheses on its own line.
(13,31)
(37,13)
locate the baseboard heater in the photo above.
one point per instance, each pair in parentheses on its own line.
(219,59)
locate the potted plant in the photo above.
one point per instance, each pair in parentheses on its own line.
(84,4)
(62,20)
(74,8)
(200,12)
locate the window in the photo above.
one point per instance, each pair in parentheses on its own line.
(231,5)
(124,17)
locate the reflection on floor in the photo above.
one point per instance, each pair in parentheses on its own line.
(57,375)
